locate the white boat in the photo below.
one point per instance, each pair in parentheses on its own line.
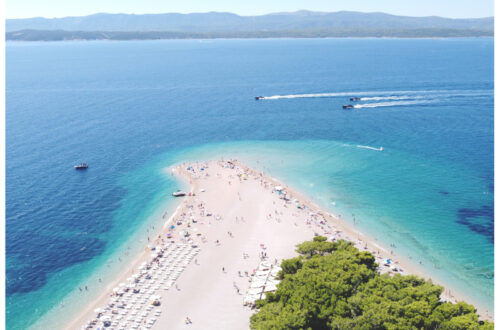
(81,166)
(178,193)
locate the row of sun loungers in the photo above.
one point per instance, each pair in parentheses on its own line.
(264,280)
(134,305)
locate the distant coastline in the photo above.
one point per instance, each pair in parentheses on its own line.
(60,35)
(215,25)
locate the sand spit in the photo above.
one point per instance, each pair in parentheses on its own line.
(233,226)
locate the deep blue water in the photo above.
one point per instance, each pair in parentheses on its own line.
(131,108)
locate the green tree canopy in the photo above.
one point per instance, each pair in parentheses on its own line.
(332,285)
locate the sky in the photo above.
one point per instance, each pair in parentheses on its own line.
(62,8)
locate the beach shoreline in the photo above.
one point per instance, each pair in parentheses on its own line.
(135,261)
(336,227)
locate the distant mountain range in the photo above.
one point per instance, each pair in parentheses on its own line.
(215,24)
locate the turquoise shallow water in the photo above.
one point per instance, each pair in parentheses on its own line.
(132,108)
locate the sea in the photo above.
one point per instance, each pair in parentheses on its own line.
(411,164)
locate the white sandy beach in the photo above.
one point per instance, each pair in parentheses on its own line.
(234,217)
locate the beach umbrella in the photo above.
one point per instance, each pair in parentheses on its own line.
(116,289)
(98,310)
(122,284)
(270,287)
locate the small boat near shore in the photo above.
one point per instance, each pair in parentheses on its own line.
(81,166)
(178,193)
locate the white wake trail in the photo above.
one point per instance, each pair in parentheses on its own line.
(381,98)
(371,148)
(389,104)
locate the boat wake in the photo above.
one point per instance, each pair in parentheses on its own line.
(386,95)
(371,148)
(297,96)
(389,104)
(381,98)
(339,94)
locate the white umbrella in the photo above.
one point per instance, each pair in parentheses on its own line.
(98,310)
(122,284)
(253,291)
(271,287)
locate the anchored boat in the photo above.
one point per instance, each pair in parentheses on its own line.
(82,166)
(178,193)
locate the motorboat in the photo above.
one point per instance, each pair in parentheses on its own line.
(82,166)
(178,193)
(259,97)
(355,99)
(348,106)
